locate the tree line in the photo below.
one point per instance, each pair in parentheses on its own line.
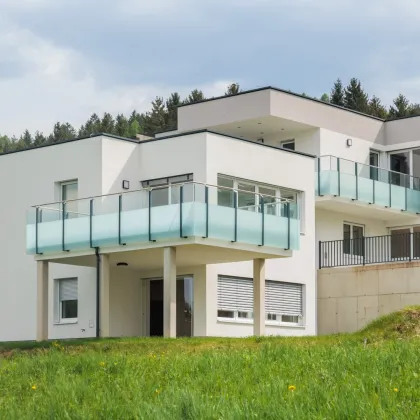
(162,116)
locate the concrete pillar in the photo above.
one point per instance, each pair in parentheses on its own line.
(169,292)
(42,301)
(259,297)
(104,279)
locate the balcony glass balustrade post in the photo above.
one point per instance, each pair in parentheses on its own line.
(338,177)
(37,215)
(206,199)
(90,222)
(235,206)
(356,174)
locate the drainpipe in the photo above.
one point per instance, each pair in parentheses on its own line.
(98,277)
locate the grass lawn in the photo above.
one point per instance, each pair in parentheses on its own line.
(374,374)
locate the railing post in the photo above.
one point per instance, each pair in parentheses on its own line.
(319,254)
(356,173)
(63,208)
(288,224)
(319,177)
(374,189)
(150,217)
(363,249)
(36,230)
(406,197)
(90,222)
(338,176)
(119,219)
(262,219)
(235,205)
(390,189)
(181,201)
(206,199)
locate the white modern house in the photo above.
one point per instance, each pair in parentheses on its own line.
(265,213)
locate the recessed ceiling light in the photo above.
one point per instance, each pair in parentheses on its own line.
(259,123)
(282,129)
(239,127)
(122,264)
(262,132)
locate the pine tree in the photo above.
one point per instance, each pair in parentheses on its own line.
(108,124)
(172,111)
(26,139)
(154,121)
(133,129)
(401,107)
(376,108)
(92,126)
(415,109)
(39,139)
(355,97)
(232,89)
(337,94)
(122,127)
(195,96)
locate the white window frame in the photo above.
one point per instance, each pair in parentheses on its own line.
(250,320)
(58,310)
(411,228)
(61,185)
(279,193)
(352,224)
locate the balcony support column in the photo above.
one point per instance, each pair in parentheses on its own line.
(42,301)
(104,280)
(169,292)
(259,297)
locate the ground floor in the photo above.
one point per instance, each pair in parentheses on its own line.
(258,297)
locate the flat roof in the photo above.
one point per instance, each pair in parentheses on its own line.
(140,142)
(287,92)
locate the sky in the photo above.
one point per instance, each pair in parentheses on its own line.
(62,60)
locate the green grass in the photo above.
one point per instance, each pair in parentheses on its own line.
(374,374)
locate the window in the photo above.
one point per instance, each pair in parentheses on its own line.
(288,144)
(167,190)
(69,191)
(399,165)
(283,301)
(353,239)
(251,196)
(374,164)
(405,243)
(67,300)
(235,297)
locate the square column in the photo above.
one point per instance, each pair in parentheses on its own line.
(169,292)
(259,297)
(42,301)
(104,278)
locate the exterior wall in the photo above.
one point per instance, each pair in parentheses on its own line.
(402,131)
(351,297)
(30,178)
(251,161)
(305,141)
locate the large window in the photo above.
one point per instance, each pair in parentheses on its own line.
(353,239)
(252,196)
(405,243)
(67,302)
(374,164)
(167,190)
(283,301)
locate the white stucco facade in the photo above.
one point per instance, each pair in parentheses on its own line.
(239,137)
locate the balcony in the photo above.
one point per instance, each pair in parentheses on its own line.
(396,247)
(366,185)
(148,218)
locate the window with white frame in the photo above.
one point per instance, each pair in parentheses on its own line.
(252,195)
(166,191)
(405,243)
(353,238)
(283,301)
(67,300)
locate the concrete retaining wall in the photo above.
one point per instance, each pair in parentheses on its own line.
(351,297)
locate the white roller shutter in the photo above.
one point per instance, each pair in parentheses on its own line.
(68,289)
(283,298)
(234,294)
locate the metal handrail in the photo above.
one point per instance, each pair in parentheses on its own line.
(281,200)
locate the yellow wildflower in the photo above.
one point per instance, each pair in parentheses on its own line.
(102,364)
(395,389)
(33,387)
(158,391)
(291,388)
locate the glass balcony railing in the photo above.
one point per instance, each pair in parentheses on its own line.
(161,214)
(369,184)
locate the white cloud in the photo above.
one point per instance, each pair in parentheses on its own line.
(58,84)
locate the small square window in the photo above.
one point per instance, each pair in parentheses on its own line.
(67,300)
(225,314)
(290,318)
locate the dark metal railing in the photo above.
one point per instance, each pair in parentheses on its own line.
(369,250)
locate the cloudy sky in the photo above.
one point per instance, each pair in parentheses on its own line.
(61,60)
